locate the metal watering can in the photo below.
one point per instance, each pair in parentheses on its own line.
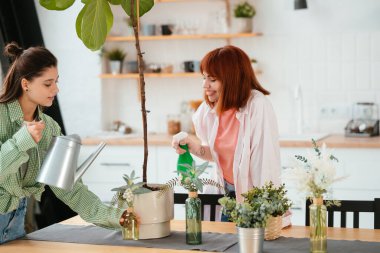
(60,165)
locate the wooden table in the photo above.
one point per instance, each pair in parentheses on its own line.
(30,246)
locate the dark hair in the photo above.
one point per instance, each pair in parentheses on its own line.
(231,66)
(28,64)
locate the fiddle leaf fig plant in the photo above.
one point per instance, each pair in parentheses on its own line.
(95,20)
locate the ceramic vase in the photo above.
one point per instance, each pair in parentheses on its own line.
(318,226)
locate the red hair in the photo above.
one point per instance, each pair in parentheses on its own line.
(231,66)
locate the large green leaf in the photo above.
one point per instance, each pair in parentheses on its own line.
(115,2)
(145,6)
(78,23)
(85,1)
(57,5)
(96,23)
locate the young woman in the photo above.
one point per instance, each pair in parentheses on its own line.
(25,133)
(236,123)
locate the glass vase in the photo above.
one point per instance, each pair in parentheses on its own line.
(193,219)
(130,229)
(318,226)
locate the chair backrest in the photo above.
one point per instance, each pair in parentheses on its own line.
(206,200)
(354,206)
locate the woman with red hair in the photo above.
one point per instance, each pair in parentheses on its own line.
(236,123)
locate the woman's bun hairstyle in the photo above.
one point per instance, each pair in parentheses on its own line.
(13,50)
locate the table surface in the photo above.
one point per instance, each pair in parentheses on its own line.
(30,246)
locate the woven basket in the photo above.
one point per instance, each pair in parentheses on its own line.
(273,228)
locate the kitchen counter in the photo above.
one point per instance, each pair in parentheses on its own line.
(332,141)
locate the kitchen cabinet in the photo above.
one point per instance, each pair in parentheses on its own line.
(113,162)
(361,166)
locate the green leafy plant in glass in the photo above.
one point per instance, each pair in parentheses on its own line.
(189,178)
(244,10)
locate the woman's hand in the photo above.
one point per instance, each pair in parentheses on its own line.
(194,147)
(35,129)
(183,139)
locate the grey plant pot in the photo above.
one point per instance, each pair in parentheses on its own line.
(251,240)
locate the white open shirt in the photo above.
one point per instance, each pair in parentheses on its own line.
(257,154)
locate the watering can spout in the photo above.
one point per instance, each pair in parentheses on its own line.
(59,168)
(84,166)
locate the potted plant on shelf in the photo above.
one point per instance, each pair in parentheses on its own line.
(189,178)
(251,216)
(96,15)
(116,58)
(242,21)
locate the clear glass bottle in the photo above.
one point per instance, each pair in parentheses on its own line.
(318,226)
(193,219)
(130,228)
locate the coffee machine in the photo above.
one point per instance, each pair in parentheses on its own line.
(365,120)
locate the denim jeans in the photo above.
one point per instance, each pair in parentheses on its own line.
(230,192)
(12,223)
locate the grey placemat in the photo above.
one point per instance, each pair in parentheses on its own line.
(298,245)
(97,235)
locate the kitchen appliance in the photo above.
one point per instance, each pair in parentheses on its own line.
(60,165)
(365,120)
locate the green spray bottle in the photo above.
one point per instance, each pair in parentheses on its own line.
(186,157)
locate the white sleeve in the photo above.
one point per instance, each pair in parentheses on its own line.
(265,148)
(199,124)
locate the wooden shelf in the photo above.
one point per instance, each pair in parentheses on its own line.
(155,75)
(185,37)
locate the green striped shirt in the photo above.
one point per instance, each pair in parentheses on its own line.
(18,147)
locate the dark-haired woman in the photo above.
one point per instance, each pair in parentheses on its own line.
(25,133)
(236,123)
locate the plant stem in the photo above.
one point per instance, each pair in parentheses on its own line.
(140,61)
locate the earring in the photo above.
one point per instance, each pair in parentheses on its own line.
(26,89)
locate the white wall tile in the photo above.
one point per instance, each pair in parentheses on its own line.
(363,77)
(348,75)
(348,47)
(375,75)
(375,46)
(334,76)
(363,47)
(334,48)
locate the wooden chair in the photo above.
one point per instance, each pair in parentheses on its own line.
(354,206)
(206,200)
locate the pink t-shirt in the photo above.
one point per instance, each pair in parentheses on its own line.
(225,142)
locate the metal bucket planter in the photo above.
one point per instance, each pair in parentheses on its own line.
(251,240)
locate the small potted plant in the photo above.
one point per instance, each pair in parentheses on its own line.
(116,57)
(251,216)
(189,178)
(243,14)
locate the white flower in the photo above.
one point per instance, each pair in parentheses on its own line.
(128,195)
(314,173)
